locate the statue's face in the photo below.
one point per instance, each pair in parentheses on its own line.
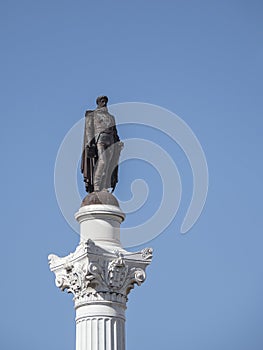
(102,102)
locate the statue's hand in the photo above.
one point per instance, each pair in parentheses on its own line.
(91,151)
(121,145)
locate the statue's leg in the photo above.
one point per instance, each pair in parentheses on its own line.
(99,171)
(108,168)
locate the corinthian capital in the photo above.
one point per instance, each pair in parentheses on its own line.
(92,273)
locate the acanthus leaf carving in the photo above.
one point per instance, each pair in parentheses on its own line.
(92,273)
(136,276)
(72,277)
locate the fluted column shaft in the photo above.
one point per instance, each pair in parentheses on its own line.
(100,327)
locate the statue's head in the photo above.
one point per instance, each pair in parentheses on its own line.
(102,101)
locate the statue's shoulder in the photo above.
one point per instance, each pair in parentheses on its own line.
(88,113)
(111,116)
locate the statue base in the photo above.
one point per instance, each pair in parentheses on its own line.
(102,197)
(100,217)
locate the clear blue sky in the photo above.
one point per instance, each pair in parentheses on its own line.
(199,59)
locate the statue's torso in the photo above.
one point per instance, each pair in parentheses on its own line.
(103,121)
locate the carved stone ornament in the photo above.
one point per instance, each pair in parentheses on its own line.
(92,273)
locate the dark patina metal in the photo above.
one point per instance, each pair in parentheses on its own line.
(101,149)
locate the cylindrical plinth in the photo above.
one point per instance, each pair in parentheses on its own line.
(100,326)
(101,223)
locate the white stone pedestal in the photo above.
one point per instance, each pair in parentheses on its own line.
(100,275)
(101,223)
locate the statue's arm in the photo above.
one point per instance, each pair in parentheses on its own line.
(89,127)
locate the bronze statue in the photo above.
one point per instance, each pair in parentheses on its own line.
(101,149)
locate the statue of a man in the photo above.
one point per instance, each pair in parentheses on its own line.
(101,149)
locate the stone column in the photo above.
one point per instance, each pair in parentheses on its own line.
(100,275)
